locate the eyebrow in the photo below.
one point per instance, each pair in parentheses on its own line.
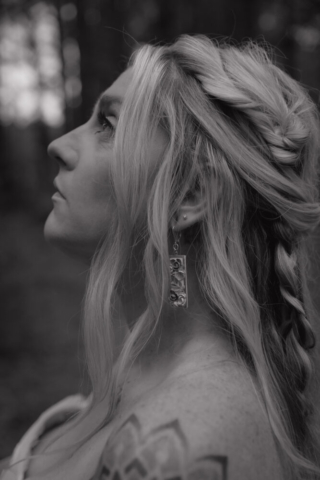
(109,102)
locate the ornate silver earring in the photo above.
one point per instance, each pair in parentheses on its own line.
(178,275)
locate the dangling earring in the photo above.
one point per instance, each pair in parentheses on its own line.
(178,275)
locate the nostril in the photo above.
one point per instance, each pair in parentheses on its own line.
(55,154)
(52,150)
(60,161)
(64,151)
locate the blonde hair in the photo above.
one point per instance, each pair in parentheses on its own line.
(229,113)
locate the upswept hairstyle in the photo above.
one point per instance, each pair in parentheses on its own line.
(229,114)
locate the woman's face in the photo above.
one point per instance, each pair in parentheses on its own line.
(83,206)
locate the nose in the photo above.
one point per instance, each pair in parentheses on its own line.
(64,150)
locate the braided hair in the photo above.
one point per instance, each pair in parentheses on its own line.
(275,117)
(231,115)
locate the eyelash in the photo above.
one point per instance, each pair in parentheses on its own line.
(105,123)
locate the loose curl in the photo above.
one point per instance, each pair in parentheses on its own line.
(230,114)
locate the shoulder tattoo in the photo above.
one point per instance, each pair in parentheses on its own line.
(160,454)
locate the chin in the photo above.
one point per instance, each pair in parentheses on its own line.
(64,238)
(52,230)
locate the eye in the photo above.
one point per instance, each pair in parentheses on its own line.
(105,124)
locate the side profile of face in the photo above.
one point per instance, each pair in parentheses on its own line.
(83,206)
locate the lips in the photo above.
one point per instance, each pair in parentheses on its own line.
(55,184)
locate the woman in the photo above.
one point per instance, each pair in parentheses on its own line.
(190,192)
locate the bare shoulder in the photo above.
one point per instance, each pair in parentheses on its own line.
(206,425)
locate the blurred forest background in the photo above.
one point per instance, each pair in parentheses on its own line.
(56,57)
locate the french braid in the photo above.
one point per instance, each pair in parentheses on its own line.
(287,271)
(281,202)
(231,116)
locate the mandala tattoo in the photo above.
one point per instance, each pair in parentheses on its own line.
(161,454)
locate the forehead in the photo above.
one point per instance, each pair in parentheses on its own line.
(120,87)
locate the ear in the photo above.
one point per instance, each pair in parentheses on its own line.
(190,212)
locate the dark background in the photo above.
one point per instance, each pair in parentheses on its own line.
(56,57)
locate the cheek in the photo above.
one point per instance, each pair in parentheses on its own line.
(90,191)
(95,204)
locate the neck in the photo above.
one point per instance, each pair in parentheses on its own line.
(187,339)
(181,330)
